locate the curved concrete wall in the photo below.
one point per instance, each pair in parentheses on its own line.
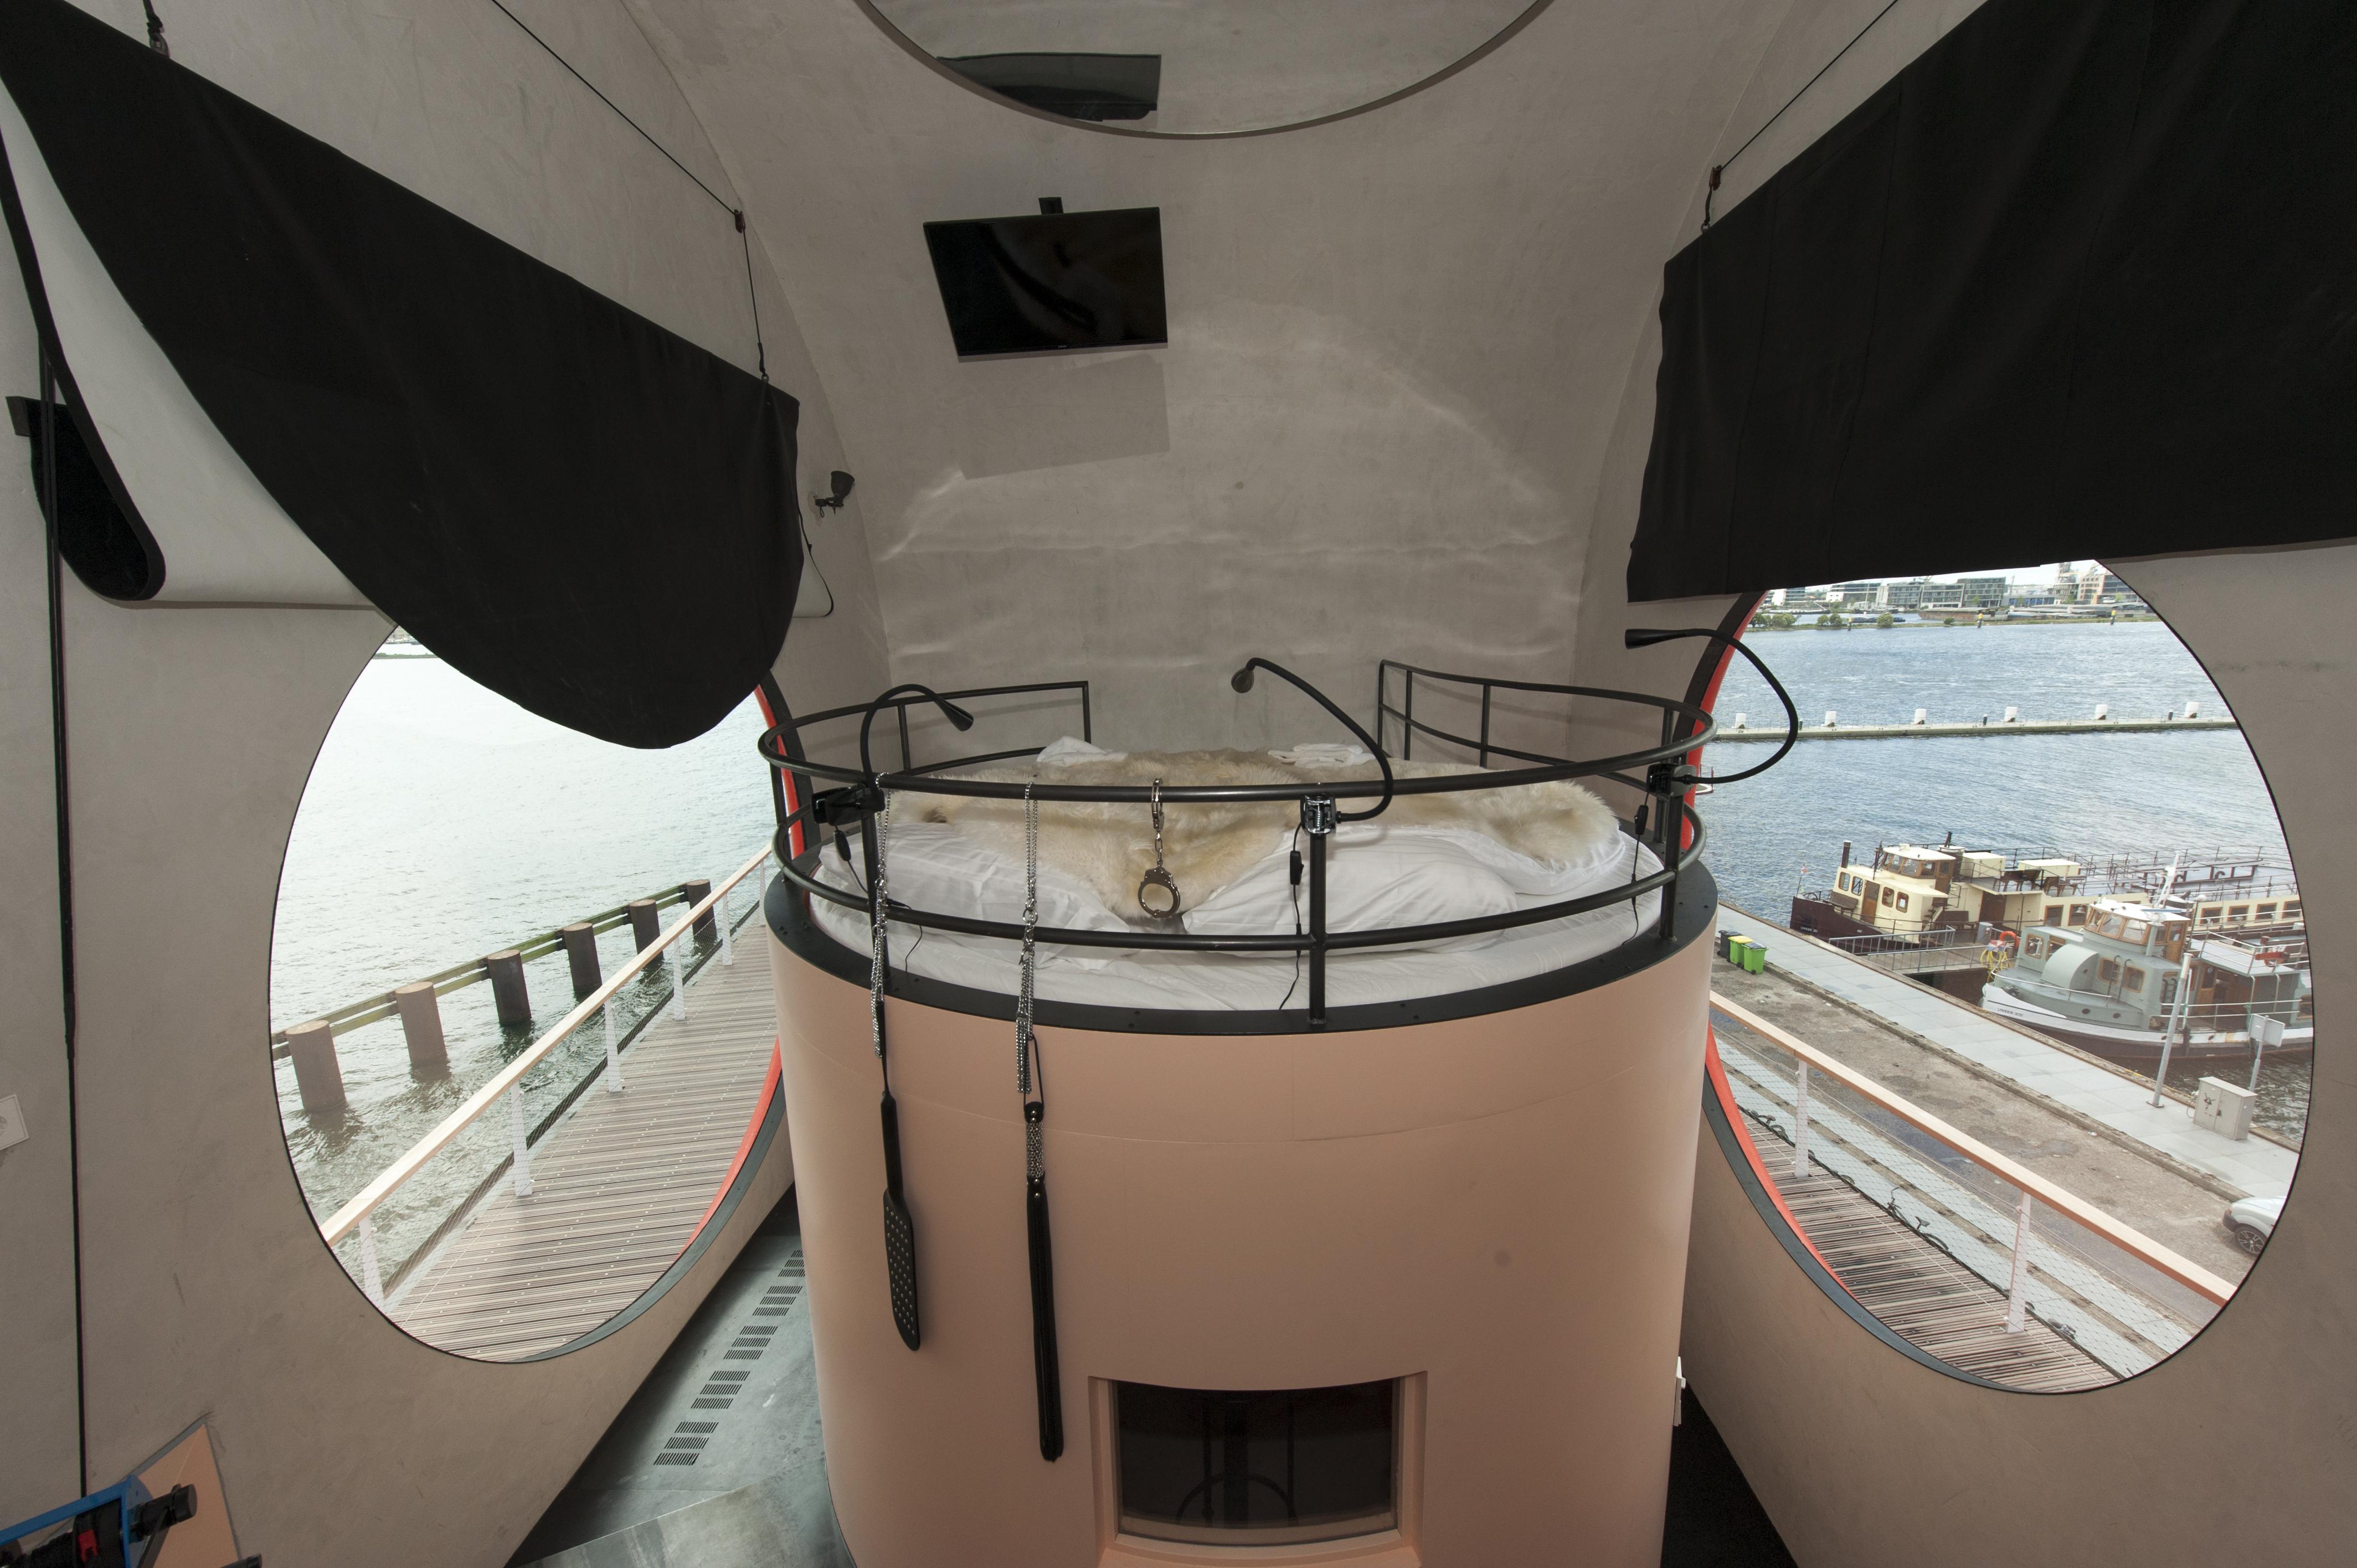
(2236,1448)
(207,1292)
(1398,344)
(2239,1448)
(1497,1203)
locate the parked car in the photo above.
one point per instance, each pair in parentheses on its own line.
(2252,1221)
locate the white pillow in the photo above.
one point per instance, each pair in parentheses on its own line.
(1072,749)
(1376,878)
(934,867)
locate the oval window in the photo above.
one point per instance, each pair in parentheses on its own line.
(505,967)
(1952,1106)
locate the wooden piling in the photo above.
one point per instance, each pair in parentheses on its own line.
(319,1078)
(707,925)
(508,992)
(581,947)
(421,1024)
(646,925)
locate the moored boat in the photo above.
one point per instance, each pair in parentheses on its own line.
(2121,955)
(2136,979)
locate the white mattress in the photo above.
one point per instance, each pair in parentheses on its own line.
(1109,977)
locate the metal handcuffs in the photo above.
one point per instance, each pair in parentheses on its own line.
(1158,890)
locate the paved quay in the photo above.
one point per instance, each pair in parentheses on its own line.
(2113,1099)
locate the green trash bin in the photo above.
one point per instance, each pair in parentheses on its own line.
(1755,957)
(1736,947)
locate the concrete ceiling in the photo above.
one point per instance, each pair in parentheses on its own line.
(1400,343)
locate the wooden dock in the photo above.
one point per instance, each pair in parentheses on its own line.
(619,1183)
(1929,1299)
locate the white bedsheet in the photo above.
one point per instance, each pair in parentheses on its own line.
(1109,977)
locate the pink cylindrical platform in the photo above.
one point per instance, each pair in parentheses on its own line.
(1492,1207)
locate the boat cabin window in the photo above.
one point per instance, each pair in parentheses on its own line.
(2263,912)
(2237,913)
(2078,914)
(2132,979)
(2167,990)
(2107,971)
(1902,900)
(2119,928)
(1887,895)
(2054,914)
(1267,1467)
(2291,910)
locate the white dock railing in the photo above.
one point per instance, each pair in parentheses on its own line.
(1990,1225)
(508,1083)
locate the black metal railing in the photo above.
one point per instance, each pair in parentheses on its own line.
(1665,822)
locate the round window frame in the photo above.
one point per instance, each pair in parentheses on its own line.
(1497,40)
(1744,1159)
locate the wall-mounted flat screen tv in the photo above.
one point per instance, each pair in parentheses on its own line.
(1051,282)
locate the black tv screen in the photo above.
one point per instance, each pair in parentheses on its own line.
(1051,282)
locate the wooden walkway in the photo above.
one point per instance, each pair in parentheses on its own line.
(1929,1299)
(619,1183)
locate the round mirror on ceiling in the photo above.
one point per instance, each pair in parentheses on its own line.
(1198,68)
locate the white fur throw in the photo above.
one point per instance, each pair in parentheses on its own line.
(1205,846)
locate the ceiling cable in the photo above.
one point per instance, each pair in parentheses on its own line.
(155,30)
(737,213)
(1720,167)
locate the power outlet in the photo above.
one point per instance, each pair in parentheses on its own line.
(12,1123)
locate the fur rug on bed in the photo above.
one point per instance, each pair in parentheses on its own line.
(1207,847)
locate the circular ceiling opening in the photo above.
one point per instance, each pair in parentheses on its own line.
(1199,68)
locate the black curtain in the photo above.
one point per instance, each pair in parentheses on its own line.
(2080,282)
(576,507)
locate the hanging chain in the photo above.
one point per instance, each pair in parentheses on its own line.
(1157,822)
(1027,1044)
(1023,991)
(875,934)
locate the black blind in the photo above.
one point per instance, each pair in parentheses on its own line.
(2076,283)
(580,509)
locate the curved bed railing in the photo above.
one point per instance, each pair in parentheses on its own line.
(1665,824)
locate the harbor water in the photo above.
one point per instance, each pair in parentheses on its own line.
(2081,794)
(442,822)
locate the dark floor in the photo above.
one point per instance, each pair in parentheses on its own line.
(1714,1521)
(716,1462)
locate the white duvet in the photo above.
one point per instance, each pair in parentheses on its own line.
(1382,874)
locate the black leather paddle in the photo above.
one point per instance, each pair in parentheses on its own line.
(900,1229)
(900,1232)
(1031,1082)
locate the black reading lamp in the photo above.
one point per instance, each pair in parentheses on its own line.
(1241,681)
(841,483)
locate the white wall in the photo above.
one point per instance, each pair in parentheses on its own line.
(208,1292)
(2238,1447)
(36,1310)
(1399,343)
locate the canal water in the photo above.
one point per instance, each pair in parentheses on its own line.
(442,822)
(2081,794)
